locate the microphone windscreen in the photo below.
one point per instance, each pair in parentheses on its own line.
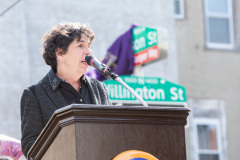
(89,58)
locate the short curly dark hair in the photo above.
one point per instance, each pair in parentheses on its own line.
(60,37)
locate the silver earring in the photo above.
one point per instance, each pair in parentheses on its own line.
(63,61)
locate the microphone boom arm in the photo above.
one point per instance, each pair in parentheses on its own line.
(118,79)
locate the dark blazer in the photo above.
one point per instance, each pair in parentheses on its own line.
(37,108)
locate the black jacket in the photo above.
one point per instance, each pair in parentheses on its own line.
(37,108)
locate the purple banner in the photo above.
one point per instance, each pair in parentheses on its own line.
(119,58)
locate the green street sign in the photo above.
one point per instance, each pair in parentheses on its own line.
(145,45)
(151,89)
(143,38)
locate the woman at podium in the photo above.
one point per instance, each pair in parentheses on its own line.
(64,49)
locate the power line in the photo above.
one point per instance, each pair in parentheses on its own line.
(6,10)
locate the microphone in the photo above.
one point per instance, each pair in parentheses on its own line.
(102,68)
(105,70)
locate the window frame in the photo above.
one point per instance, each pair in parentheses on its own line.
(181,15)
(229,16)
(208,121)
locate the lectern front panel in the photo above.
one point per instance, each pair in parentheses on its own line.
(102,141)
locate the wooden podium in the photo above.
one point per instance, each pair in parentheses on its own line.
(90,132)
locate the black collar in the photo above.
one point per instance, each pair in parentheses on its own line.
(55,80)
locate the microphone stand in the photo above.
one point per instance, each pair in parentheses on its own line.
(115,77)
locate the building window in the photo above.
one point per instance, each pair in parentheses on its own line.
(219,24)
(207,130)
(208,138)
(179,9)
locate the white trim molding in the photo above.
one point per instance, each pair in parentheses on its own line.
(218,15)
(208,122)
(181,9)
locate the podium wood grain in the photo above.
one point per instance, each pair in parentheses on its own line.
(118,138)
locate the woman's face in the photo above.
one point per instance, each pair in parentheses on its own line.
(74,58)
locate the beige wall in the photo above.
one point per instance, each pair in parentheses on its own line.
(210,73)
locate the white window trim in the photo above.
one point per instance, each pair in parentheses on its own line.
(216,15)
(182,10)
(207,121)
